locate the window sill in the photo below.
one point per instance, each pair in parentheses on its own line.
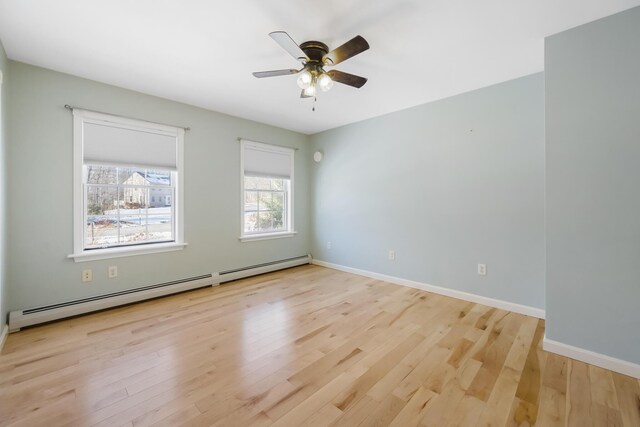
(97,254)
(267,236)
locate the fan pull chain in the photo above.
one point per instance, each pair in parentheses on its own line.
(315,98)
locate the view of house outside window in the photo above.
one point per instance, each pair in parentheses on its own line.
(126,206)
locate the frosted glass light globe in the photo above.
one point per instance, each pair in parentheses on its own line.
(304,79)
(325,82)
(310,91)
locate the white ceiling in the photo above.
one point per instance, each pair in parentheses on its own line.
(203,52)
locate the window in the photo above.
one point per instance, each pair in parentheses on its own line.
(267,191)
(118,164)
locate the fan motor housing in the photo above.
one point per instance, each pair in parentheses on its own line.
(314,50)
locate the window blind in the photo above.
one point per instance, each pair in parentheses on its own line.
(120,145)
(265,160)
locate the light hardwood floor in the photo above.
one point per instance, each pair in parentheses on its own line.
(307,346)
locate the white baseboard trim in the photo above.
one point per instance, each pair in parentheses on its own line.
(3,336)
(20,318)
(491,302)
(592,358)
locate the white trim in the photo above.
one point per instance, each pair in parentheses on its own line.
(79,221)
(592,358)
(268,145)
(78,187)
(3,336)
(491,302)
(124,251)
(227,277)
(266,236)
(126,123)
(178,197)
(19,320)
(290,231)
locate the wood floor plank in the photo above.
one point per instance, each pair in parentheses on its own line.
(415,409)
(628,393)
(304,346)
(553,393)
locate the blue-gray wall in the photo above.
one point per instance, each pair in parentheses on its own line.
(447,185)
(4,65)
(40,224)
(593,186)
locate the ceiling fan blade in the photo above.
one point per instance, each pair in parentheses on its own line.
(287,43)
(350,49)
(302,95)
(346,78)
(261,74)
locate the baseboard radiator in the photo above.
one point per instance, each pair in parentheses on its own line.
(267,267)
(33,316)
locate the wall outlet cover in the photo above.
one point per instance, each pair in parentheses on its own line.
(482,269)
(113,271)
(87,275)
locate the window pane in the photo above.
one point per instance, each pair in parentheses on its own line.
(271,202)
(102,230)
(140,229)
(278,219)
(250,222)
(101,200)
(266,203)
(102,216)
(160,227)
(160,197)
(277,184)
(131,176)
(263,183)
(133,199)
(133,228)
(158,178)
(101,174)
(250,201)
(265,221)
(278,201)
(250,182)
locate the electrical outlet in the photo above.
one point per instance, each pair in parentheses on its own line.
(328,245)
(87,275)
(392,255)
(482,269)
(113,271)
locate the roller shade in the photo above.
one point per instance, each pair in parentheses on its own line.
(114,144)
(267,160)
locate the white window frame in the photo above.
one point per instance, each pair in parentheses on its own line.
(290,232)
(81,254)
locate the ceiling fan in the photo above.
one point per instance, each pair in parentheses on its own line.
(315,56)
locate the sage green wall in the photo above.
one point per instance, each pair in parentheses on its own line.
(4,65)
(592,186)
(40,171)
(447,185)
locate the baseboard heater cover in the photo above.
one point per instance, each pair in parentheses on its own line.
(33,316)
(267,267)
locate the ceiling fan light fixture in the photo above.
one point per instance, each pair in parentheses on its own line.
(314,55)
(325,82)
(305,79)
(310,91)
